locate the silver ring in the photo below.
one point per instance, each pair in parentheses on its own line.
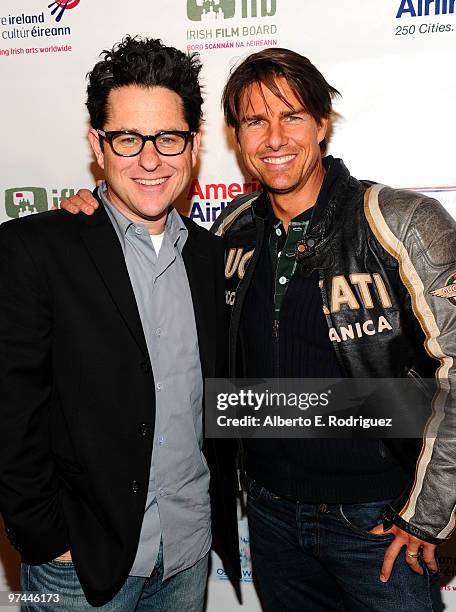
(412,555)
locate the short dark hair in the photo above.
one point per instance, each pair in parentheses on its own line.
(306,82)
(148,63)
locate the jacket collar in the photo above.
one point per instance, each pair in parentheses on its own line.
(326,207)
(336,175)
(102,243)
(101,240)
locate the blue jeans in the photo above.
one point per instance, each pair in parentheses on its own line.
(183,592)
(321,557)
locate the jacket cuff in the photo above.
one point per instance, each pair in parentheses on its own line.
(391,517)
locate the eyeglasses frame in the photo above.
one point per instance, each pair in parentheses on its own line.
(186,134)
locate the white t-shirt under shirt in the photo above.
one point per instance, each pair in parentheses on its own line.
(157,240)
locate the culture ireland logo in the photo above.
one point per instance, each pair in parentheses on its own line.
(23,201)
(216,10)
(58,7)
(36,26)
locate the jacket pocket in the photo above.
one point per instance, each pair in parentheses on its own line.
(361,518)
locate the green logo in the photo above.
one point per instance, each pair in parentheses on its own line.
(448,291)
(216,10)
(23,201)
(210,10)
(451,288)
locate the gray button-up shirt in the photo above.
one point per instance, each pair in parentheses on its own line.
(177,507)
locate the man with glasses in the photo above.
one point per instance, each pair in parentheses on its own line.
(108,325)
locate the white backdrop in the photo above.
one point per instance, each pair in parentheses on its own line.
(392,62)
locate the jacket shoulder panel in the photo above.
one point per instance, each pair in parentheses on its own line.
(420,223)
(233,211)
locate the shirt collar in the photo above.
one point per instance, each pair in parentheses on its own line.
(175,229)
(333,168)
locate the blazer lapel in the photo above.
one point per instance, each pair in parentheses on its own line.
(105,251)
(199,269)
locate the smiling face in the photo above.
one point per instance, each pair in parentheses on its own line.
(279,144)
(145,186)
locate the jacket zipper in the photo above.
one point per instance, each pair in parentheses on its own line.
(420,383)
(329,322)
(275,348)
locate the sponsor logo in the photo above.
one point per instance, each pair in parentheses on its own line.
(420,8)
(203,197)
(210,10)
(426,10)
(449,291)
(212,27)
(23,201)
(58,7)
(20,202)
(217,10)
(36,26)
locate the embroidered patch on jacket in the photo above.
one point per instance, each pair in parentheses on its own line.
(449,291)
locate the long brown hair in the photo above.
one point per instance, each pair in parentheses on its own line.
(304,79)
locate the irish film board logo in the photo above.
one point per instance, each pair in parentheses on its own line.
(215,10)
(58,7)
(25,201)
(210,10)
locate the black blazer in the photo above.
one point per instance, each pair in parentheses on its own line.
(77,396)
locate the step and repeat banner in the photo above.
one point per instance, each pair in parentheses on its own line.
(392,60)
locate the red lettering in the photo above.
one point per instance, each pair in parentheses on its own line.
(195,190)
(234,189)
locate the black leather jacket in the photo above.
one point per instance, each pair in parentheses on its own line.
(386,260)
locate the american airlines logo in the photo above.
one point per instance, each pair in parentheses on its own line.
(424,8)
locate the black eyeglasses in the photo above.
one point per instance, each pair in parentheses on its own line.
(128,144)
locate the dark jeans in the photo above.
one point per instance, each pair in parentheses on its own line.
(321,557)
(183,592)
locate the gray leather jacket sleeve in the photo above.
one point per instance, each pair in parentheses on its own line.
(421,235)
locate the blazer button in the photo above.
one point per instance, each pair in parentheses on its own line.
(143,429)
(135,486)
(145,367)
